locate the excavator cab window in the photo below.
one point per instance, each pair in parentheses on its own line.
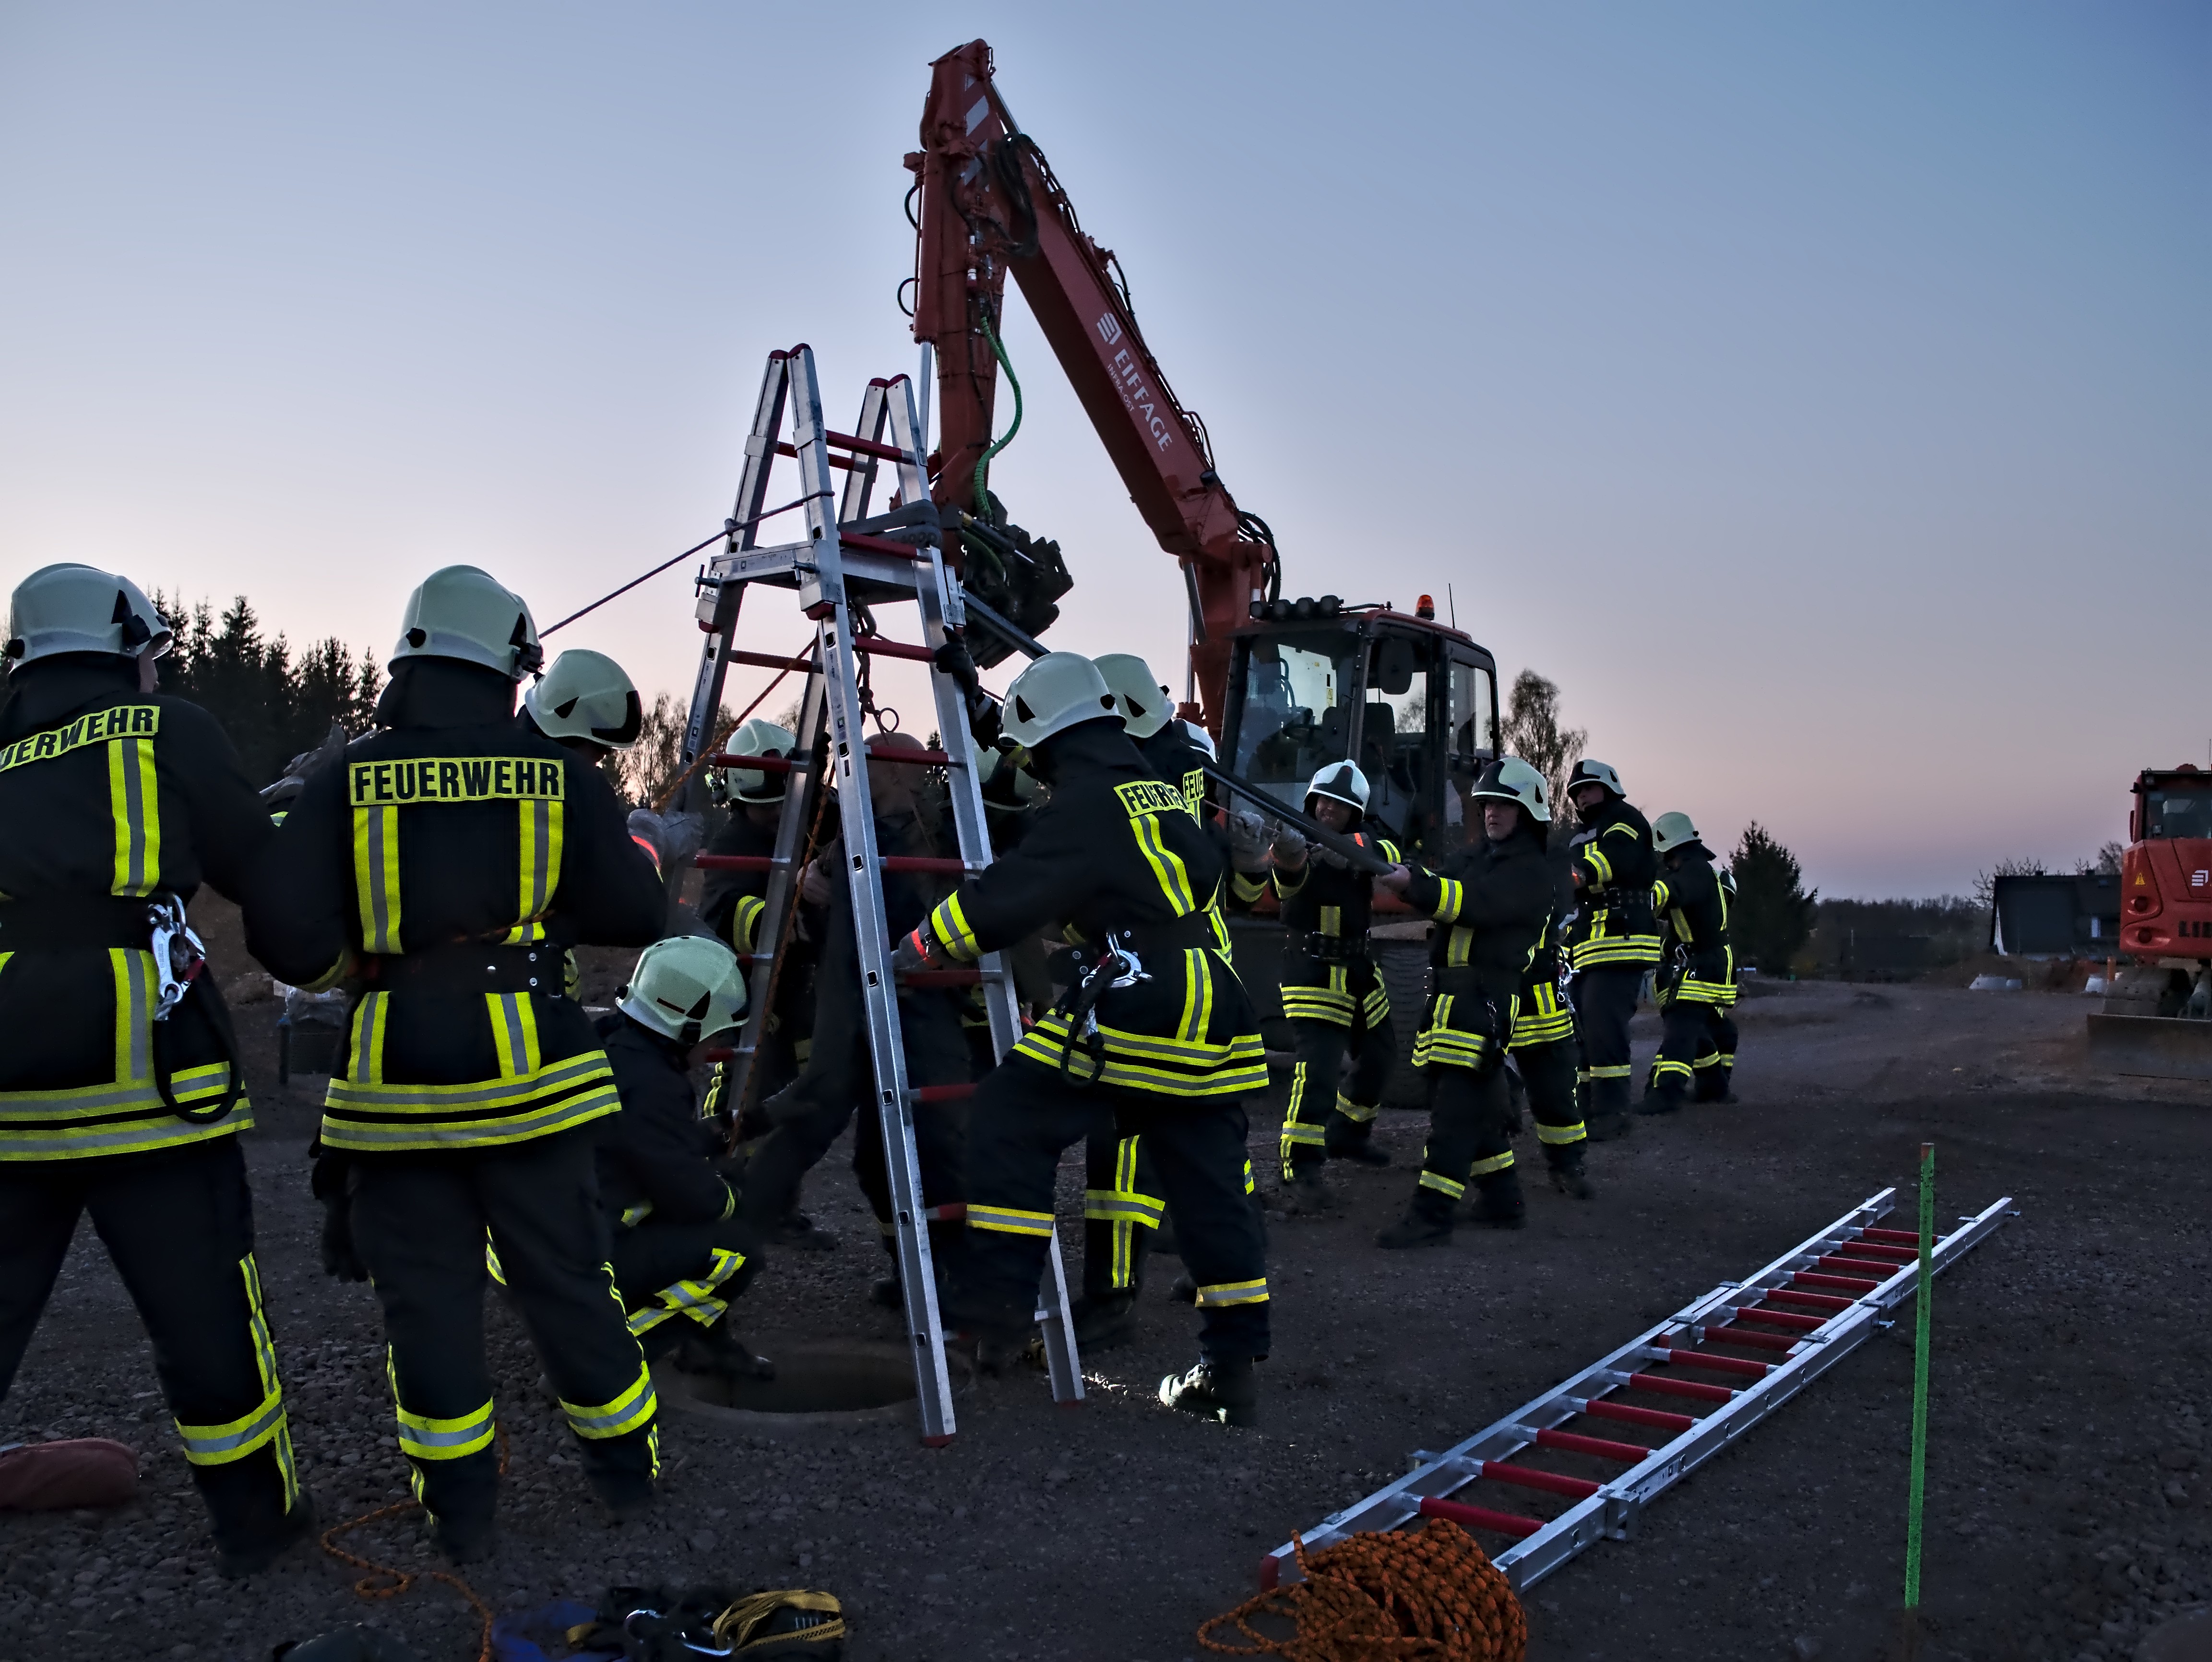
(2178,809)
(1294,713)
(1394,748)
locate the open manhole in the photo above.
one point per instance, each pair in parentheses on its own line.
(826,1382)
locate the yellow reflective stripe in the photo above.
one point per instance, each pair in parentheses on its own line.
(694,1297)
(1442,1184)
(1458,945)
(134,804)
(1560,1135)
(1297,1131)
(234,1440)
(365,1055)
(744,921)
(1197,994)
(424,1438)
(949,924)
(1250,1182)
(1451,895)
(376,877)
(361,1115)
(1232,1292)
(1321,1003)
(1358,1112)
(1332,920)
(1376,1009)
(1496,1162)
(1603,867)
(1173,877)
(1247,888)
(1663,1068)
(541,830)
(627,1413)
(1621,1072)
(492,1265)
(133,974)
(1009,1220)
(1660,894)
(515,1032)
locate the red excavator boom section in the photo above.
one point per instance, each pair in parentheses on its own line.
(989,207)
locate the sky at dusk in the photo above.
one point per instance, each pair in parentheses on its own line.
(1821,395)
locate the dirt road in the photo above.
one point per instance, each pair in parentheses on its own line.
(2068,1502)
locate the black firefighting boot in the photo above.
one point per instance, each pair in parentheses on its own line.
(1565,1162)
(1498,1201)
(1427,1221)
(1606,1111)
(1105,1322)
(1665,1097)
(251,1556)
(717,1350)
(1713,1082)
(797,1231)
(463,1541)
(1185,1290)
(1347,1138)
(1303,1194)
(1221,1389)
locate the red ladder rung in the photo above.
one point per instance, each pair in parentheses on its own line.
(1788,1319)
(950,868)
(878,647)
(1657,1418)
(867,544)
(1501,1523)
(1813,1278)
(953,1211)
(733,862)
(767,661)
(1815,1301)
(1667,1387)
(792,451)
(943,1094)
(1876,1250)
(1522,1477)
(1719,1364)
(1856,1267)
(1603,1448)
(1744,1336)
(1902,1237)
(756,764)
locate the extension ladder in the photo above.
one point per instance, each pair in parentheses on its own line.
(847,563)
(1803,1312)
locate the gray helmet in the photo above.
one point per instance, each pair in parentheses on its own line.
(758,736)
(1511,779)
(1055,693)
(81,608)
(1144,703)
(462,613)
(586,695)
(1595,772)
(1672,831)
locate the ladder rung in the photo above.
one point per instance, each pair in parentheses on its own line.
(1682,1358)
(1501,1523)
(1522,1477)
(1902,1237)
(1887,1254)
(953,1211)
(784,448)
(1815,1301)
(943,867)
(1855,1266)
(1782,1318)
(867,544)
(1604,1447)
(928,977)
(1814,1278)
(1744,1336)
(846,441)
(1658,1418)
(918,758)
(1667,1387)
(768,661)
(875,647)
(943,1094)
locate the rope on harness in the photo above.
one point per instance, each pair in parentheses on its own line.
(383,1581)
(1431,1593)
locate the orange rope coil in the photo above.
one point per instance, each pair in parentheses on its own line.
(383,1581)
(1378,1598)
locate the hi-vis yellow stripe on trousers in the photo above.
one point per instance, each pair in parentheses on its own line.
(134,804)
(376,877)
(264,1426)
(422,1437)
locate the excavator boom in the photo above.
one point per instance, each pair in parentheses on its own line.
(990,207)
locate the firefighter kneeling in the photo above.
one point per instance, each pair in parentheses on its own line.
(1153,1037)
(682,1253)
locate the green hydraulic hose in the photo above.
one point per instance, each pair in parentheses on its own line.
(983,462)
(1919,1487)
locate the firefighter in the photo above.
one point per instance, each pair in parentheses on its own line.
(1491,903)
(1698,984)
(1154,1036)
(1332,993)
(441,871)
(1612,940)
(119,1094)
(681,1252)
(1716,1063)
(1148,716)
(1542,1049)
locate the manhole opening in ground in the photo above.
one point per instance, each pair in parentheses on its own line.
(811,1379)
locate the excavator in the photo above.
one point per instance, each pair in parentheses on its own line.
(1284,686)
(2157,1014)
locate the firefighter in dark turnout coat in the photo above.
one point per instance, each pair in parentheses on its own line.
(1543,1051)
(1698,983)
(1612,940)
(1491,903)
(443,867)
(1154,1036)
(119,1094)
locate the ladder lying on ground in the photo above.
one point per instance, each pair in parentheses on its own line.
(1826,1296)
(849,561)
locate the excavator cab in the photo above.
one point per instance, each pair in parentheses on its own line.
(1414,703)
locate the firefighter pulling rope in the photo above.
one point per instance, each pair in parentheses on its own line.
(1429,1593)
(383,1581)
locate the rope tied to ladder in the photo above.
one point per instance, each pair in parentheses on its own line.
(1428,1594)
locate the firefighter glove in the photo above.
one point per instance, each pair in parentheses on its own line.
(1290,848)
(915,950)
(1247,841)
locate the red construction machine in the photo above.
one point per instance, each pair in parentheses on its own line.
(1284,685)
(2155,1020)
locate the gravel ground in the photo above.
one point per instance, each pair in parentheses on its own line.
(2068,1505)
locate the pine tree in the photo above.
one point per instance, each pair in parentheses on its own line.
(1772,915)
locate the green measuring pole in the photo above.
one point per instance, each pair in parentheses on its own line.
(1920,1381)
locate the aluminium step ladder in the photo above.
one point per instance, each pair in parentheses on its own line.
(848,563)
(1806,1311)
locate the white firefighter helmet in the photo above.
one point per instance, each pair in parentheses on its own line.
(81,608)
(460,612)
(1144,703)
(1340,782)
(687,988)
(757,737)
(586,695)
(1055,693)
(1201,740)
(1595,772)
(1511,779)
(1671,831)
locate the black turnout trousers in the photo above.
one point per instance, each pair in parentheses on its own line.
(1122,1212)
(178,1224)
(1023,1115)
(419,1223)
(1547,1073)
(671,1275)
(1470,1127)
(1316,1094)
(1605,1000)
